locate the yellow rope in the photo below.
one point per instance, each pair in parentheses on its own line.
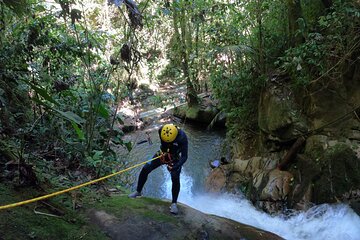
(75,187)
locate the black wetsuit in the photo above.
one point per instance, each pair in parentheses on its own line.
(178,150)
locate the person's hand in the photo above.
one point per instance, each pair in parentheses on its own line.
(170,167)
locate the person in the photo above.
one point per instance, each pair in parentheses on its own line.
(174,153)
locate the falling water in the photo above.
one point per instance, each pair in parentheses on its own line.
(330,222)
(320,222)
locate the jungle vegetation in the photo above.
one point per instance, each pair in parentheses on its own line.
(65,65)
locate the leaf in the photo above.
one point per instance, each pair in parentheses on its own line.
(67,115)
(78,131)
(97,155)
(70,116)
(18,6)
(103,112)
(298,68)
(128,145)
(42,92)
(117,140)
(120,120)
(238,49)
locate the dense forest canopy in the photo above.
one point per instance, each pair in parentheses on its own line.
(65,65)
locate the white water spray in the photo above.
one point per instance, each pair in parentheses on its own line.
(330,222)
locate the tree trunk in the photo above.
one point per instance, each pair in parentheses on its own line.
(294,13)
(182,36)
(261,57)
(291,154)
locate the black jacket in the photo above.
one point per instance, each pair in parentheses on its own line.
(178,148)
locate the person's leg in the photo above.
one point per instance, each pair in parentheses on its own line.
(175,178)
(150,166)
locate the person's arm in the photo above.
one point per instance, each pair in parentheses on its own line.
(183,151)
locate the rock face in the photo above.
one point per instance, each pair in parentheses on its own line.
(325,169)
(206,112)
(279,116)
(146,218)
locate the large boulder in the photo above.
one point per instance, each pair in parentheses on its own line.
(205,112)
(327,169)
(326,172)
(256,177)
(339,173)
(121,218)
(279,116)
(216,181)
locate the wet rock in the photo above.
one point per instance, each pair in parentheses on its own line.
(216,181)
(205,112)
(278,186)
(356,206)
(150,219)
(223,160)
(248,166)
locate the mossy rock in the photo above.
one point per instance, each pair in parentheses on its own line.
(24,223)
(278,114)
(196,113)
(340,173)
(146,218)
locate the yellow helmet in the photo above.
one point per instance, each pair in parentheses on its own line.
(168,133)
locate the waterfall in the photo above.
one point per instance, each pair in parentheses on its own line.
(330,222)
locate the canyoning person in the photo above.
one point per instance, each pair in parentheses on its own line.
(174,153)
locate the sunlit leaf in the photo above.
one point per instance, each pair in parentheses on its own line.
(103,112)
(42,92)
(70,116)
(128,146)
(78,131)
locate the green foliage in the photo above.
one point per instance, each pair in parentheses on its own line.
(122,206)
(328,46)
(238,95)
(58,64)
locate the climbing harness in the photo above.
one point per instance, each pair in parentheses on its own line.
(75,187)
(166,157)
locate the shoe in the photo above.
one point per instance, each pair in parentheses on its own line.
(134,194)
(174,209)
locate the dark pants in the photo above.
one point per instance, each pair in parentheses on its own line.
(150,166)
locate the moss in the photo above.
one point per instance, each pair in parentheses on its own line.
(22,223)
(192,112)
(340,172)
(188,112)
(123,206)
(180,111)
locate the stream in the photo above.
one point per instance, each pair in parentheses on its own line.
(336,221)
